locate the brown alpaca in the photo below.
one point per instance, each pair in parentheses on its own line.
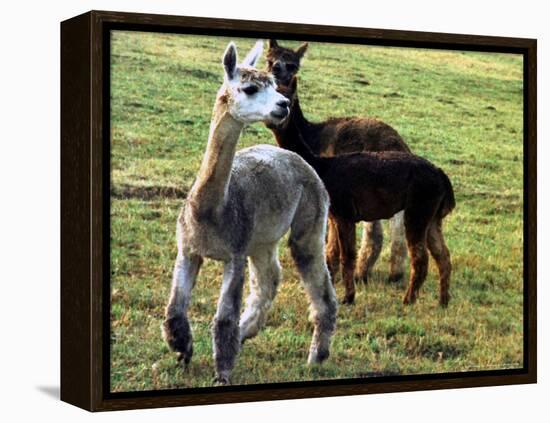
(370,186)
(347,135)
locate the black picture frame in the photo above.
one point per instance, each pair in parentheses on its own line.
(85,197)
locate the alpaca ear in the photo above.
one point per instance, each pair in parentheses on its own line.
(300,51)
(252,57)
(230,60)
(273,43)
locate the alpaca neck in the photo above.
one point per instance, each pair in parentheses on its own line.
(292,136)
(209,191)
(298,115)
(309,130)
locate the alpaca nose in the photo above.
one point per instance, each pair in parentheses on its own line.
(285,102)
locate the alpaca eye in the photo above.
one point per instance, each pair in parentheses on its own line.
(291,67)
(250,90)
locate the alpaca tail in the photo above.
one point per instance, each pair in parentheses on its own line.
(448,203)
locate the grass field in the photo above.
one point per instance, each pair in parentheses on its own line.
(461,110)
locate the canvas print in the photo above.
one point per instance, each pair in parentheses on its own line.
(289,211)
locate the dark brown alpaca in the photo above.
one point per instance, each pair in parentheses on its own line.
(370,186)
(346,135)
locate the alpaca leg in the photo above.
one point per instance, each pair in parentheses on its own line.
(307,252)
(225,331)
(419,269)
(176,328)
(419,215)
(333,249)
(371,246)
(398,247)
(346,241)
(440,253)
(265,275)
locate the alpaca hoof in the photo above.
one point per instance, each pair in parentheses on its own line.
(243,339)
(184,359)
(409,300)
(361,278)
(221,380)
(444,301)
(177,334)
(349,299)
(395,277)
(317,357)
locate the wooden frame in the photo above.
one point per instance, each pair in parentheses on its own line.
(85,160)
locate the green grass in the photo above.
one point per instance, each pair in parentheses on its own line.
(461,110)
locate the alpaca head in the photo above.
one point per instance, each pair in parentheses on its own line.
(284,62)
(251,94)
(290,92)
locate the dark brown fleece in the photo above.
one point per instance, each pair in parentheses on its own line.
(370,186)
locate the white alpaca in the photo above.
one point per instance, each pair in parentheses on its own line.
(240,206)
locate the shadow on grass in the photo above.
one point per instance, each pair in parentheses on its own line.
(147,193)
